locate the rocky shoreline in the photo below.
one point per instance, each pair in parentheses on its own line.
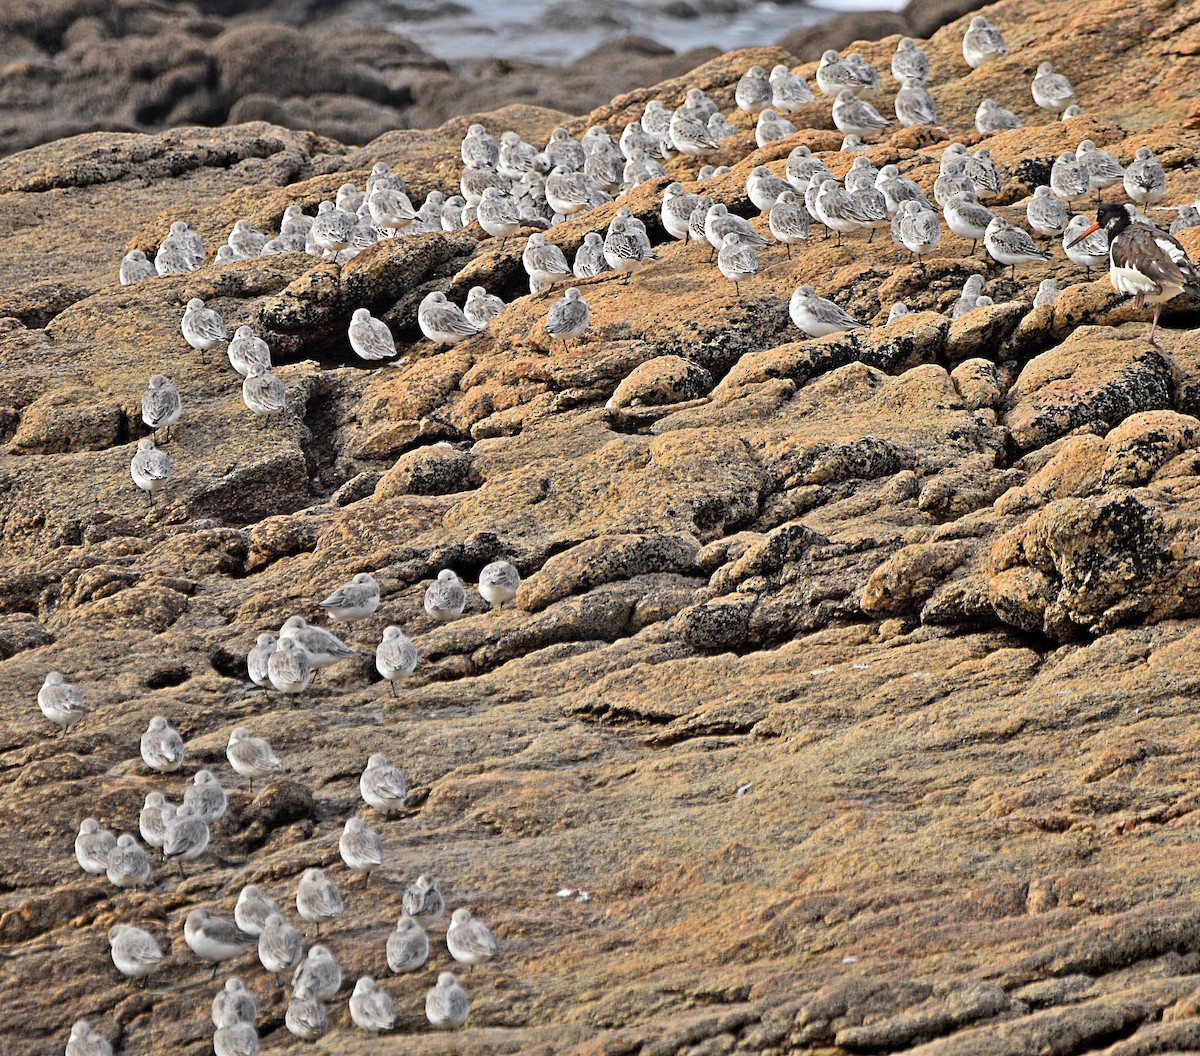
(74,66)
(847,704)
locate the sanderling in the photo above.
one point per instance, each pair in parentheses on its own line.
(150,468)
(370,337)
(920,230)
(162,747)
(834,75)
(867,74)
(289,668)
(306,1017)
(252,910)
(479,147)
(817,316)
(135,267)
(771,127)
(1102,168)
(699,104)
(1188,216)
(258,659)
(318,898)
(639,169)
(564,151)
(965,217)
(395,656)
(698,220)
(423,901)
(605,166)
(896,311)
(763,188)
(476,179)
(516,157)
(788,221)
(206,796)
(568,317)
(989,117)
(481,307)
(800,166)
(391,209)
(443,323)
(324,648)
(982,43)
(161,406)
(469,941)
(349,198)
(952,181)
(1047,291)
(92,845)
(86,1042)
(720,128)
(656,120)
(719,222)
(1074,110)
(331,230)
(626,248)
(788,92)
(499,215)
(153,818)
(371,1008)
(852,144)
(1145,263)
(635,136)
(279,948)
(737,261)
(1144,180)
(187,241)
(263,393)
(213,938)
(382,176)
(382,785)
(407,946)
(60,701)
(1051,91)
(237,1039)
(1069,180)
(1011,245)
(498,583)
(837,209)
(319,972)
(589,259)
(246,351)
(970,294)
(245,239)
(897,189)
(872,210)
(202,328)
(982,172)
(753,91)
(233,1003)
(361,848)
(1045,213)
(445,598)
(134,951)
(861,175)
(355,600)
(452,214)
(914,105)
(446,1005)
(690,134)
(185,836)
(128,864)
(251,757)
(910,62)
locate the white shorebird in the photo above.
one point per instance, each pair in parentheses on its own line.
(445,597)
(1103,169)
(857,117)
(991,117)
(279,947)
(382,785)
(982,43)
(770,127)
(544,262)
(965,217)
(589,258)
(161,746)
(135,267)
(355,600)
(763,188)
(1144,180)
(835,74)
(263,393)
(251,757)
(753,91)
(369,337)
(1090,251)
(320,973)
(817,316)
(1045,213)
(788,221)
(737,261)
(86,1042)
(215,939)
(128,864)
(92,846)
(153,818)
(206,796)
(150,468)
(237,1039)
(203,328)
(568,317)
(361,849)
(134,951)
(1047,293)
(481,307)
(498,583)
(252,910)
(920,230)
(324,648)
(259,658)
(370,1008)
(306,1017)
(446,1005)
(1069,180)
(910,62)
(185,836)
(468,940)
(318,898)
(395,656)
(788,91)
(407,946)
(423,901)
(914,105)
(161,406)
(246,350)
(1051,91)
(1011,245)
(60,701)
(233,1003)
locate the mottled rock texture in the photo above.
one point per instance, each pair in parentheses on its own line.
(852,679)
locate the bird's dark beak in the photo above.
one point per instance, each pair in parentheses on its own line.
(1080,238)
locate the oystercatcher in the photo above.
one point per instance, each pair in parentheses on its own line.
(1144,261)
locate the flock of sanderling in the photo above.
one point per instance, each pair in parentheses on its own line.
(288,663)
(506,186)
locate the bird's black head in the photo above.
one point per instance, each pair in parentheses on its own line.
(1114,218)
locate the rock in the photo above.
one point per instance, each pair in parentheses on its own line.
(661,381)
